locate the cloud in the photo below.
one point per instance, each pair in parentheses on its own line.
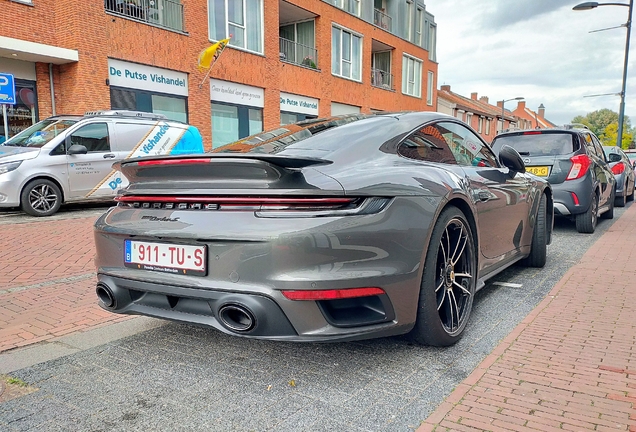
(504,13)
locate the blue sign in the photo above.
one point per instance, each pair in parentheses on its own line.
(7,89)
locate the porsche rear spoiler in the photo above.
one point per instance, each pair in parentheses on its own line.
(287,162)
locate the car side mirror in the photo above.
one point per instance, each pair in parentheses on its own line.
(613,157)
(511,159)
(77,149)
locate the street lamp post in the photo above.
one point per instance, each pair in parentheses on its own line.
(503,112)
(628,25)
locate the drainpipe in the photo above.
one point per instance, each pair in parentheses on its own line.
(52,89)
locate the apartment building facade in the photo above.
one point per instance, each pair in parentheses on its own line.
(287,60)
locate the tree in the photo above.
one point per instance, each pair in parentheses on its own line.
(610,135)
(598,122)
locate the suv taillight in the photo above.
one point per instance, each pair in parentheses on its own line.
(619,168)
(580,165)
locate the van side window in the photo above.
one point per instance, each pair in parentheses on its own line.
(93,136)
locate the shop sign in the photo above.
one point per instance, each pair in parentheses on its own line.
(235,93)
(142,77)
(298,104)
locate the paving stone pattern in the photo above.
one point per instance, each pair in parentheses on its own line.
(570,364)
(182,377)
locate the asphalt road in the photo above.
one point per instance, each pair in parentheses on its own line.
(180,377)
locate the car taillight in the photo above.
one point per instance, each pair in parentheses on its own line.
(580,165)
(333,294)
(619,168)
(262,206)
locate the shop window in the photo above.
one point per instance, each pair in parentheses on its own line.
(289,118)
(173,107)
(24,113)
(93,136)
(243,19)
(233,122)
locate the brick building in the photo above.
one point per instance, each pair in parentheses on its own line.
(288,60)
(533,119)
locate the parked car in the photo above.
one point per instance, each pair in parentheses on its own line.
(631,154)
(623,170)
(70,158)
(332,229)
(572,160)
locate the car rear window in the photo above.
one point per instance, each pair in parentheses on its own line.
(538,144)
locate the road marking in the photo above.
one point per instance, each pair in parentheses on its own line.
(508,284)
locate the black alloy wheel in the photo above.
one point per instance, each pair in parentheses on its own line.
(41,197)
(448,281)
(586,222)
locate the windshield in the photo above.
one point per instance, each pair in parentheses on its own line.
(40,133)
(537,144)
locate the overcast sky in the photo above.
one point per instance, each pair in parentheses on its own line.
(538,49)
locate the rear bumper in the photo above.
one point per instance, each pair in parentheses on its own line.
(563,193)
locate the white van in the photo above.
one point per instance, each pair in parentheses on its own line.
(70,158)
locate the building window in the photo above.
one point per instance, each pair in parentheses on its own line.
(411,76)
(469,119)
(409,20)
(381,70)
(351,6)
(419,22)
(432,36)
(289,117)
(487,126)
(24,113)
(429,88)
(481,125)
(243,19)
(297,44)
(173,107)
(346,55)
(233,122)
(163,13)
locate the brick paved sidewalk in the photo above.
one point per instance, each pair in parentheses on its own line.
(570,364)
(47,281)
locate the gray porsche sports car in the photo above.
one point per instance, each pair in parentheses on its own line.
(326,230)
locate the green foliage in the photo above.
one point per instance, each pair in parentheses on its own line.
(604,124)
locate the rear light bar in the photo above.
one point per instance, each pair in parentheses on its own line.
(580,164)
(264,207)
(619,168)
(532,133)
(336,294)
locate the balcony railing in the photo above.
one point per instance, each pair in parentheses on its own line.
(381,19)
(381,79)
(162,13)
(299,54)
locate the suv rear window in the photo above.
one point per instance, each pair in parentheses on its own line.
(538,144)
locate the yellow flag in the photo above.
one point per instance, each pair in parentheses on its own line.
(211,53)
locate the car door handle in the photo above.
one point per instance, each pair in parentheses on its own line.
(109,156)
(483,196)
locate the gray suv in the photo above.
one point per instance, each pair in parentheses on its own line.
(572,160)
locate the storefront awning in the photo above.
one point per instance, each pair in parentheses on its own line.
(36,52)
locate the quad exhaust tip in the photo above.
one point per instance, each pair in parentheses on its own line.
(237,318)
(106,296)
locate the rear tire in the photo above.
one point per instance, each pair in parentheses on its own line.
(630,197)
(586,222)
(448,281)
(612,202)
(539,248)
(40,197)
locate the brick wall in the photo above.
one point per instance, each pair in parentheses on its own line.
(86,27)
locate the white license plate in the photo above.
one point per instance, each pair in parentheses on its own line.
(165,257)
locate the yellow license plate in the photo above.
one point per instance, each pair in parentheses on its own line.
(541,171)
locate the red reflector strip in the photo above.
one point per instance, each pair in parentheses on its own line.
(575,198)
(236,200)
(332,294)
(174,162)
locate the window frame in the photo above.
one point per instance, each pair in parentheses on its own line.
(227,32)
(405,75)
(419,26)
(409,20)
(430,80)
(352,34)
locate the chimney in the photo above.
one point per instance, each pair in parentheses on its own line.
(521,105)
(541,111)
(473,96)
(483,99)
(445,87)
